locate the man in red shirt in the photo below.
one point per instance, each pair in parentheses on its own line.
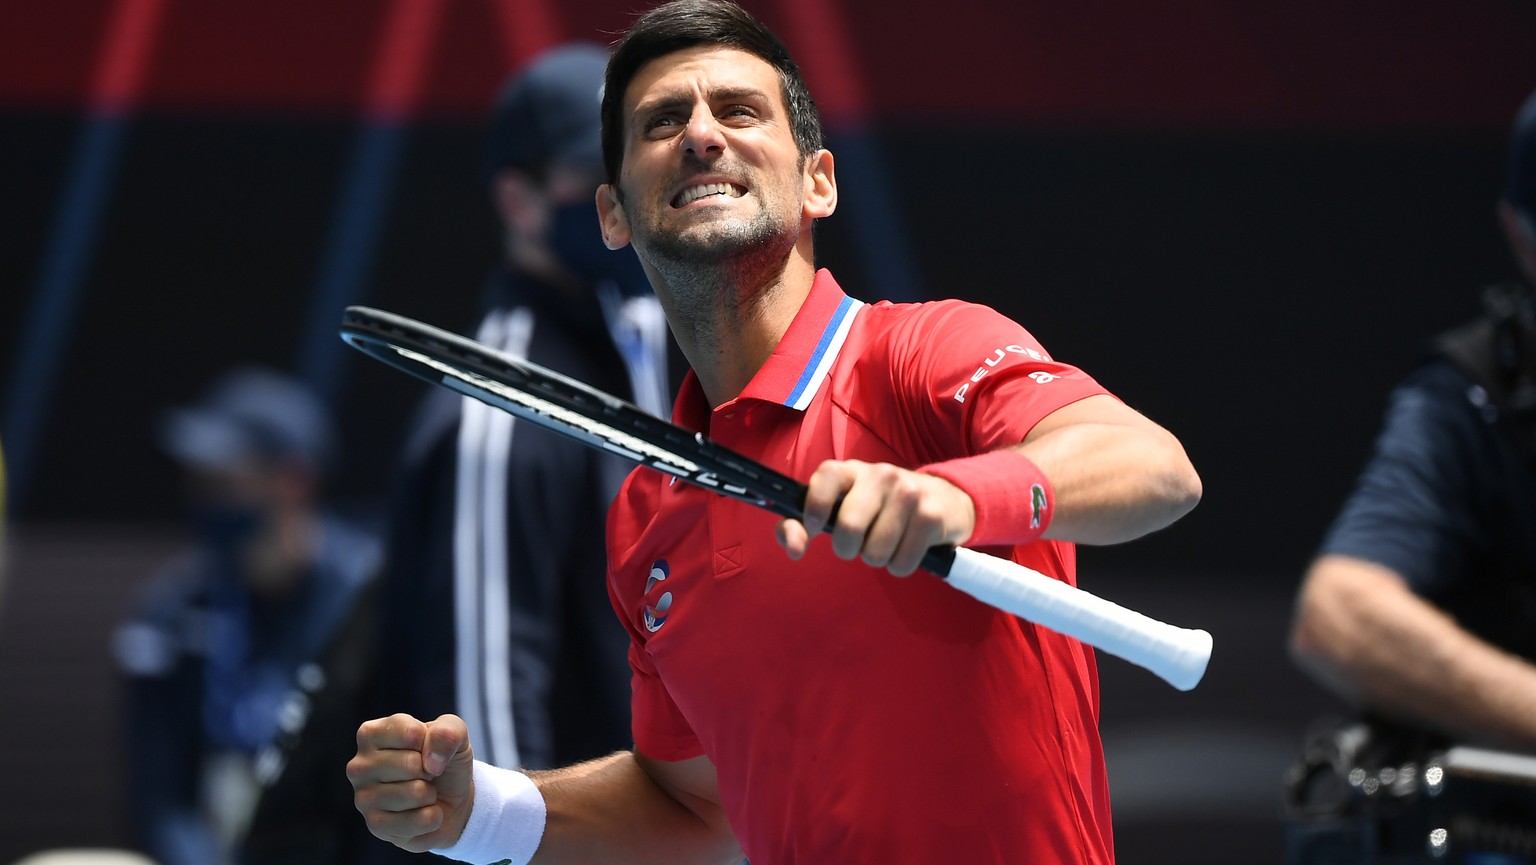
(816,710)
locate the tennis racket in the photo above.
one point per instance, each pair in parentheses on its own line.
(564,405)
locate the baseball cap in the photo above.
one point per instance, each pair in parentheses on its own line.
(550,111)
(249,413)
(1520,187)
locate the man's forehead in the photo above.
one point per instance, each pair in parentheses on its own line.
(712,68)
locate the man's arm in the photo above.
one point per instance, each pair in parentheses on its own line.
(1359,630)
(1115,476)
(628,807)
(413,783)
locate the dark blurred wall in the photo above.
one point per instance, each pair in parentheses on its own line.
(1256,293)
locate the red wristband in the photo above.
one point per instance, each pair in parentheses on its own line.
(1014,500)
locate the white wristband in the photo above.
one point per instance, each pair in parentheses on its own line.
(506,819)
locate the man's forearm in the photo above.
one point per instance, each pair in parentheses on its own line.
(1114,483)
(611,809)
(1361,630)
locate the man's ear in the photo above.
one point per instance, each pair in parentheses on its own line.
(516,198)
(820,185)
(610,216)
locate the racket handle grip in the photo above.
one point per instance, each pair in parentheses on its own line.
(1178,655)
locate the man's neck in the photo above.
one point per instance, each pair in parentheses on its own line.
(728,341)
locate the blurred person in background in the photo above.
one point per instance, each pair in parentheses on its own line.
(495,594)
(1420,608)
(228,638)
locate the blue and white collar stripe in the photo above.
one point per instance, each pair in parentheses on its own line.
(821,360)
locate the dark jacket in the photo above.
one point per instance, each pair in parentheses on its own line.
(541,648)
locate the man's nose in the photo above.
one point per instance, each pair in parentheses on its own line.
(703,137)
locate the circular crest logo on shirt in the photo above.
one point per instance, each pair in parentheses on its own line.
(656,607)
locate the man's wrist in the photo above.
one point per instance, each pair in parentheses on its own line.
(1013,499)
(506,819)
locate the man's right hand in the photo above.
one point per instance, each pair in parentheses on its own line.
(413,781)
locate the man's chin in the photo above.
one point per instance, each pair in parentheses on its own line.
(705,245)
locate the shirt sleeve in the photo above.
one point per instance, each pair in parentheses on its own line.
(975,381)
(661,731)
(1414,508)
(659,728)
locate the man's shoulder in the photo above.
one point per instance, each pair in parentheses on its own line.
(1437,379)
(933,325)
(937,311)
(1433,412)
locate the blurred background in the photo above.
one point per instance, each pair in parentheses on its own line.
(1245,219)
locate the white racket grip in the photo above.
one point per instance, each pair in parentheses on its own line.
(1178,655)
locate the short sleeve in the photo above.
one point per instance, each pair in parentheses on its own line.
(975,380)
(659,728)
(661,731)
(1415,507)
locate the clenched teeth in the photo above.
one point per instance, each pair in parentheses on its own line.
(694,193)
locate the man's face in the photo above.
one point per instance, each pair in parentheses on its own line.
(710,166)
(527,206)
(229,506)
(571,184)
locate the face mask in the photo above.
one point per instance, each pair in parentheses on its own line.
(225,528)
(577,242)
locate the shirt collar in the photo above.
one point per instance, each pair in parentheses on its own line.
(804,357)
(801,362)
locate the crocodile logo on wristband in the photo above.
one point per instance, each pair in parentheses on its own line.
(1037,505)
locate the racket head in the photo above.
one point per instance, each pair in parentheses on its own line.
(566,406)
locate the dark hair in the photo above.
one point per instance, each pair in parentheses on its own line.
(684,24)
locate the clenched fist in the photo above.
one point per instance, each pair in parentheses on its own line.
(413,780)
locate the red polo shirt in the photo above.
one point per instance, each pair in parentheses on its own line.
(853,716)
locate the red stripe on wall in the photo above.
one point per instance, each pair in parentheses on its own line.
(527,28)
(1118,63)
(819,34)
(405,48)
(130,42)
(1200,64)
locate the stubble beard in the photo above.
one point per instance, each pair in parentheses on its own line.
(712,270)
